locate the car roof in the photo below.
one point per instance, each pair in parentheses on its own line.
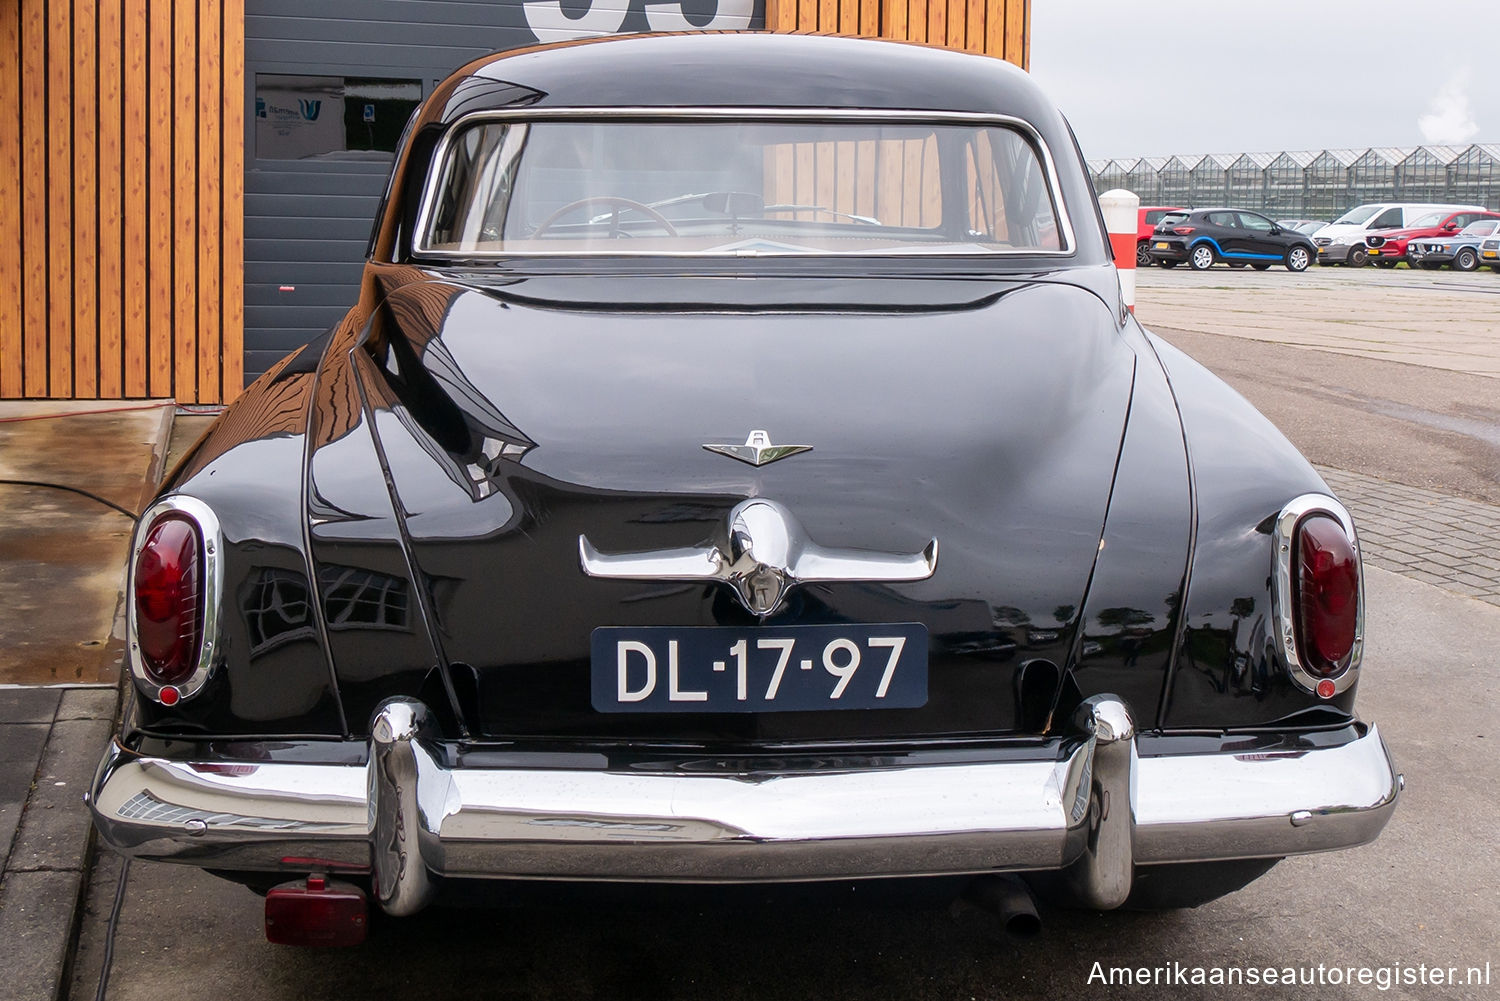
(722,71)
(741,69)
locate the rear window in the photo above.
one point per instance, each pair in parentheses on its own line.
(740,187)
(1172,218)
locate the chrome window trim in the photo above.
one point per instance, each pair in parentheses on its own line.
(1284,535)
(440,162)
(211,538)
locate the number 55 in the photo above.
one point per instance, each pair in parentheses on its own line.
(549,24)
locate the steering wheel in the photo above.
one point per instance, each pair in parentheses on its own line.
(619,202)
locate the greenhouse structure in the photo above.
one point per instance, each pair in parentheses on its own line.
(1310,184)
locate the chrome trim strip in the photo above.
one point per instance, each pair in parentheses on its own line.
(1283,536)
(1227,806)
(438,167)
(211,536)
(768,554)
(1099,809)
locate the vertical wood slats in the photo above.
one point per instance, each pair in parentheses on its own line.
(184,106)
(232,212)
(120,182)
(59,197)
(11,376)
(33,47)
(894,180)
(159,181)
(998,28)
(84,146)
(111,293)
(134,224)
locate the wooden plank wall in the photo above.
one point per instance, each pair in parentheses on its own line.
(121,179)
(893,180)
(994,27)
(122,184)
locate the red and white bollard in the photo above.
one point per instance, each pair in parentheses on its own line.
(1121,218)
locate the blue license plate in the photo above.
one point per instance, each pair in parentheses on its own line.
(714,669)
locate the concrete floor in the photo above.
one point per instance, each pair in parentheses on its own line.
(62,556)
(1432,319)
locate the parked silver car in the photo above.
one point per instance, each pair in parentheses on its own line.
(1306,227)
(1489,253)
(1462,250)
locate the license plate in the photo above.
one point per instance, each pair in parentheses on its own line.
(1489,253)
(1374,253)
(714,669)
(1162,246)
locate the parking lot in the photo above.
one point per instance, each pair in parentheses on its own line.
(1388,381)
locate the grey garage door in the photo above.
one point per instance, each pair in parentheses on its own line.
(329,85)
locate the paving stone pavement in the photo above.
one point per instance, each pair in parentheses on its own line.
(50,741)
(1447,541)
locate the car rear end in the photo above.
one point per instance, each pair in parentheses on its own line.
(1171,240)
(747,557)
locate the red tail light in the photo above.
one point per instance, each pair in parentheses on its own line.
(1184,230)
(1326,572)
(169,600)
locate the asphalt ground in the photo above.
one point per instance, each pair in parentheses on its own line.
(1394,376)
(1427,319)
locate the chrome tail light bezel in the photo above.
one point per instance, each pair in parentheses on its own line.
(211,543)
(1284,535)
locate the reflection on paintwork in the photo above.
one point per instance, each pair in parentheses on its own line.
(276,609)
(1226,646)
(483,362)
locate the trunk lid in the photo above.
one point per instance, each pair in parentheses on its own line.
(516,418)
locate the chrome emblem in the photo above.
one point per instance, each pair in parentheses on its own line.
(758,449)
(767,554)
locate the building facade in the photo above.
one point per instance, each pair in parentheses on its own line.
(190,183)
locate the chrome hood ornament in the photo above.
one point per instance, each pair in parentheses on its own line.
(768,554)
(758,449)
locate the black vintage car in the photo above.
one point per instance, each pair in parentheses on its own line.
(1205,237)
(748,472)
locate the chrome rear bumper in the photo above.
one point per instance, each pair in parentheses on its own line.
(1096,811)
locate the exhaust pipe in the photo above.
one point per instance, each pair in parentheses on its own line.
(1010,900)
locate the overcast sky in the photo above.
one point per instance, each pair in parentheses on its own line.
(1156,77)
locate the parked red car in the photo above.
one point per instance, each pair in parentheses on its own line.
(1145,223)
(1389,248)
